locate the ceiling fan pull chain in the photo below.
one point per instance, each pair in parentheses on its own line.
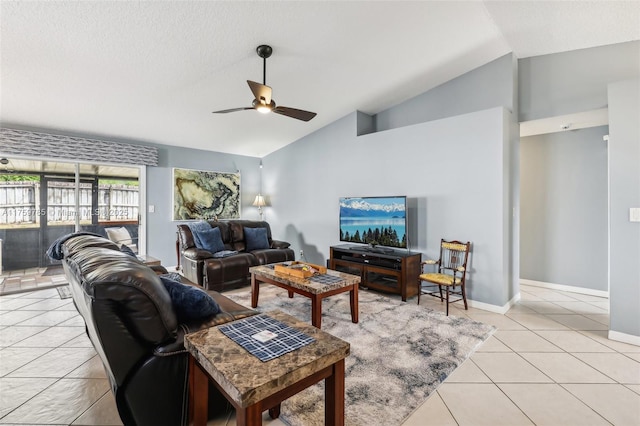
(264,71)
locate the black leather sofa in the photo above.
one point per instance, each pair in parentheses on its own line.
(220,274)
(133,327)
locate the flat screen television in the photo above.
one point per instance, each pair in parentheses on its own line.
(377,221)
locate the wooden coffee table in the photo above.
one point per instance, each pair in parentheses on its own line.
(253,386)
(308,288)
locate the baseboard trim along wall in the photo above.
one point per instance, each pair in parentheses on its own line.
(624,338)
(562,287)
(494,308)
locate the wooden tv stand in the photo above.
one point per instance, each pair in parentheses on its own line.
(388,270)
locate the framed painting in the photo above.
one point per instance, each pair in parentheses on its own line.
(203,195)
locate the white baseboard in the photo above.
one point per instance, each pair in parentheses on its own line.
(494,308)
(624,338)
(568,288)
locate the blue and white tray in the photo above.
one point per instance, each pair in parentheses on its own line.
(287,338)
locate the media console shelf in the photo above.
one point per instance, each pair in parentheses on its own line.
(392,271)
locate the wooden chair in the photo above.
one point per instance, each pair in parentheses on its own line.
(451,272)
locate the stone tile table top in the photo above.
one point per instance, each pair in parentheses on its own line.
(307,284)
(245,378)
(315,288)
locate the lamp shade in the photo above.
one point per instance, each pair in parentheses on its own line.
(259,201)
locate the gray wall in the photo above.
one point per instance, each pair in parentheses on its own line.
(451,169)
(563,208)
(483,88)
(575,81)
(624,175)
(161,230)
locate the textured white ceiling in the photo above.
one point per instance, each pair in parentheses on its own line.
(154,71)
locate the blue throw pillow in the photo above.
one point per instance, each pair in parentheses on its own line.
(256,238)
(195,228)
(211,240)
(189,302)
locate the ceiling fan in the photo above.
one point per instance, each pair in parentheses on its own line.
(263,102)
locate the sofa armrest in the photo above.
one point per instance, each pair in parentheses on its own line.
(159,269)
(173,347)
(194,253)
(275,244)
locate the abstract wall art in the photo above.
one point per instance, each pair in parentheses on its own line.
(203,195)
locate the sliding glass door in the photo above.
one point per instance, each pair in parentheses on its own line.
(41,201)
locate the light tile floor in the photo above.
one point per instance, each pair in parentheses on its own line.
(22,280)
(549,363)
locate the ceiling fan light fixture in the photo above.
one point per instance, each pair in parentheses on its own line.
(263,107)
(263,103)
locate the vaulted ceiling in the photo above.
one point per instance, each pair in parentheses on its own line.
(154,71)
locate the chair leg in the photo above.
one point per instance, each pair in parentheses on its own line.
(447,300)
(441,298)
(464,296)
(419,290)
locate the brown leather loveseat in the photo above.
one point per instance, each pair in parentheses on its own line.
(231,268)
(135,326)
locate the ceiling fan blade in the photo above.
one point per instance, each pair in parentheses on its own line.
(261,92)
(224,111)
(294,113)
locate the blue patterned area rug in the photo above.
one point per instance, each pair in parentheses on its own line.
(400,353)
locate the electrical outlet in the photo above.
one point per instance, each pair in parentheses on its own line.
(634,214)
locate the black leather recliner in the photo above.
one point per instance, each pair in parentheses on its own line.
(219,274)
(131,322)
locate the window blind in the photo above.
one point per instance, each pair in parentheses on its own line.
(33,144)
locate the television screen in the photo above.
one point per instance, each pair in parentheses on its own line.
(374,220)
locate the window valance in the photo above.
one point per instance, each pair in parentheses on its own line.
(33,144)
